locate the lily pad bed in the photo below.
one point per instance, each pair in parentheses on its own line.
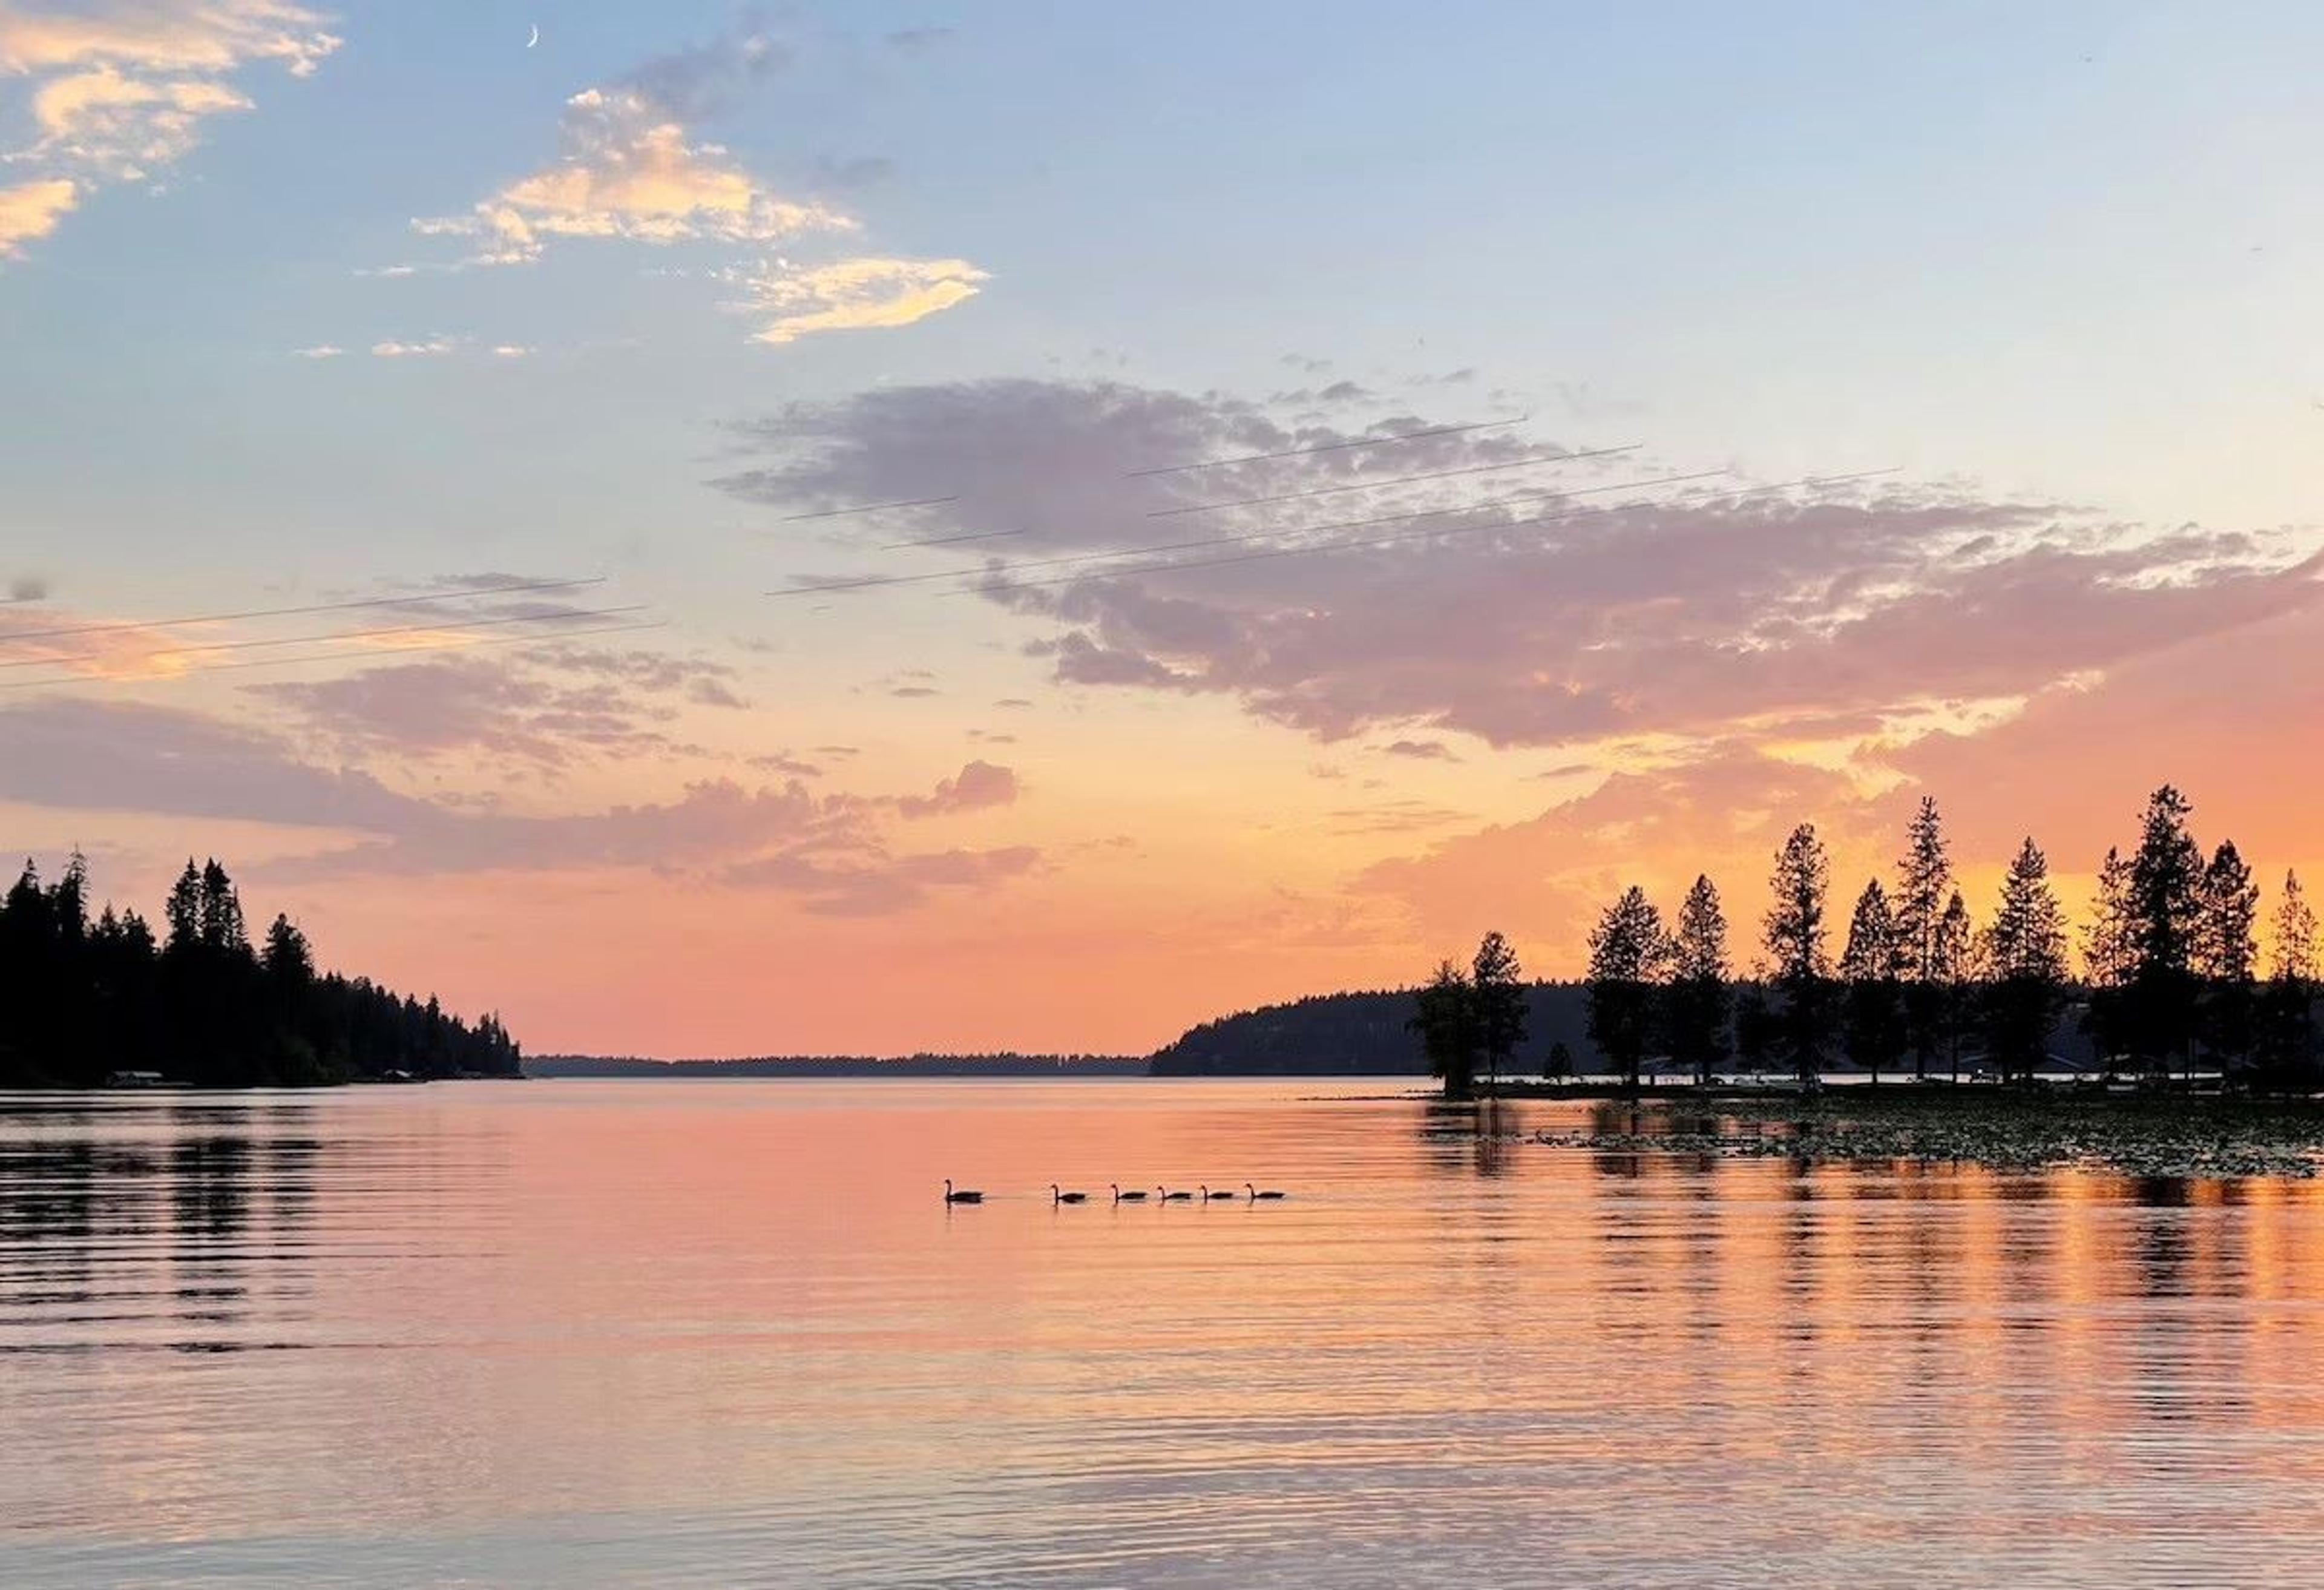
(2163,1136)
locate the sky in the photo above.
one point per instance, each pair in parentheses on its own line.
(443,476)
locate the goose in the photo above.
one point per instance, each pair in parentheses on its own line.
(1137,1195)
(1065,1197)
(1212,1197)
(1257,1196)
(962,1196)
(1167,1197)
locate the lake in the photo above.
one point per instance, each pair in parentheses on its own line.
(727,1333)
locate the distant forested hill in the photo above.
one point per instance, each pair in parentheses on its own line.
(1355,1034)
(1364,1034)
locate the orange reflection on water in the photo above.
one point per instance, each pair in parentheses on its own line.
(704,1332)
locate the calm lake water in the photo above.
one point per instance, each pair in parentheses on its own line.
(725,1332)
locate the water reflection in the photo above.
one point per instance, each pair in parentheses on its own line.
(133,1225)
(614,1333)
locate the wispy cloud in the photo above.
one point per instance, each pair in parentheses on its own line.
(432,348)
(980,785)
(124,127)
(1517,619)
(162,36)
(831,851)
(629,168)
(121,88)
(627,173)
(30,211)
(634,166)
(852,295)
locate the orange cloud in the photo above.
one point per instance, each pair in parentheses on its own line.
(855,294)
(214,36)
(628,172)
(631,170)
(125,126)
(121,88)
(30,211)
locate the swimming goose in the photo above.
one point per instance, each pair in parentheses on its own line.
(1259,1197)
(1212,1197)
(962,1196)
(1167,1197)
(1120,1196)
(1065,1197)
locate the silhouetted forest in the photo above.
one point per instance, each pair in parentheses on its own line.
(88,999)
(2169,984)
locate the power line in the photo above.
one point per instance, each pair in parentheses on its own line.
(994,589)
(1359,486)
(464,646)
(947,541)
(864,508)
(405,601)
(873,581)
(355,634)
(1332,446)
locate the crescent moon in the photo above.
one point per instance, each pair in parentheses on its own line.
(529,43)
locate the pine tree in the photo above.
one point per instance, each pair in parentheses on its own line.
(2109,961)
(1795,938)
(2286,1039)
(1699,997)
(68,900)
(1924,877)
(1445,1018)
(1627,954)
(1496,987)
(2026,967)
(183,912)
(2295,934)
(1957,970)
(2226,956)
(2166,913)
(286,957)
(1873,1008)
(222,928)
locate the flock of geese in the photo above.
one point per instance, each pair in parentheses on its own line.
(1136,1195)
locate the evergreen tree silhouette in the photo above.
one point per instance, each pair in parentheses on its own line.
(2166,922)
(1870,969)
(1800,965)
(2026,967)
(1629,952)
(2226,958)
(1698,998)
(2287,1038)
(1445,1018)
(1924,878)
(2110,962)
(1496,989)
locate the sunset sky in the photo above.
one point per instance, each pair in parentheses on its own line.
(339,308)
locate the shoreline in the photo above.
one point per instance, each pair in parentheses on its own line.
(2147,1133)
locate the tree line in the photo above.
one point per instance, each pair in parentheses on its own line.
(84,999)
(2171,979)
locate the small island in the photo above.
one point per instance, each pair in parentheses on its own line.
(2171,1053)
(98,1001)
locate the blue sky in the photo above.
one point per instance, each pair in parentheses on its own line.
(1968,238)
(2052,263)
